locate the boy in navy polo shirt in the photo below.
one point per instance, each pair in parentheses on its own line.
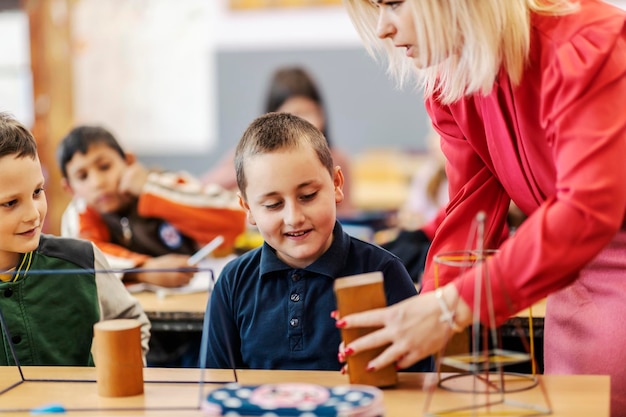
(273,304)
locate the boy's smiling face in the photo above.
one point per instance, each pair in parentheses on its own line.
(95,177)
(23,207)
(291,197)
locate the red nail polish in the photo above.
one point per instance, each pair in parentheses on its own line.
(341,358)
(340,323)
(348,351)
(333,314)
(370,368)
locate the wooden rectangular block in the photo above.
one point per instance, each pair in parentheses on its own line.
(355,294)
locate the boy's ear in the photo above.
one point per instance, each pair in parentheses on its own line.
(65,184)
(244,205)
(338,181)
(131,158)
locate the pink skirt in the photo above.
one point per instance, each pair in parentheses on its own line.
(585,325)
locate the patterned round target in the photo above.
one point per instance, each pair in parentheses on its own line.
(294,400)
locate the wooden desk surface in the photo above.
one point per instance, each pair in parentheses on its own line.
(192,303)
(570,396)
(174,312)
(538,310)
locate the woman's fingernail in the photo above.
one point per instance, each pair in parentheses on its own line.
(341,357)
(334,314)
(370,368)
(343,370)
(348,351)
(340,323)
(398,366)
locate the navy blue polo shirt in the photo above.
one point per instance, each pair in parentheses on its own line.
(274,316)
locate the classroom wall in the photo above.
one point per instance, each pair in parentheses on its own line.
(365,108)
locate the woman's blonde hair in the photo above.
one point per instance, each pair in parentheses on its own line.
(461,44)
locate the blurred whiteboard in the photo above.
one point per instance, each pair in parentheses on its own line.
(143,69)
(16,83)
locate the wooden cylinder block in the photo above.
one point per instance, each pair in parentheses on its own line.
(118,357)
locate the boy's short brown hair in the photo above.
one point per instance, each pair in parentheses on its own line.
(277,131)
(15,138)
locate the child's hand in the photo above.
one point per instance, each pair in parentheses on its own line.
(166,279)
(133,179)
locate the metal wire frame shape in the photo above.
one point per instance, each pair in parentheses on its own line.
(478,359)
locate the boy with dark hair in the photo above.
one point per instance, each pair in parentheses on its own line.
(273,304)
(145,219)
(137,217)
(49,315)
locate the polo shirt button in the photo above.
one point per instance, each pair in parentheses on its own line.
(295,277)
(295,297)
(294,322)
(8,292)
(16,339)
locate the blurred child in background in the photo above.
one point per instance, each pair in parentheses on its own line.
(139,218)
(292,90)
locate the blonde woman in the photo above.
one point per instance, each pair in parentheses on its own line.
(528,97)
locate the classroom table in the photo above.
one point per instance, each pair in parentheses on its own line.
(527,319)
(174,312)
(185,312)
(570,395)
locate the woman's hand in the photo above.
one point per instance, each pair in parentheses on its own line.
(413,328)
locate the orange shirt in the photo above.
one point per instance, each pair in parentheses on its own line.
(198,212)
